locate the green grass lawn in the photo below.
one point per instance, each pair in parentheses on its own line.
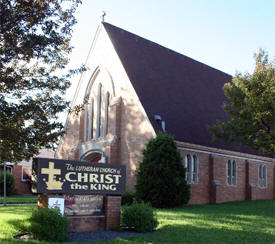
(19,199)
(238,222)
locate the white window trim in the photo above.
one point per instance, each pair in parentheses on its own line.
(263,178)
(233,184)
(192,169)
(22,173)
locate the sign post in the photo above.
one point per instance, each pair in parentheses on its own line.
(5,184)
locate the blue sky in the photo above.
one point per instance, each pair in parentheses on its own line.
(222,34)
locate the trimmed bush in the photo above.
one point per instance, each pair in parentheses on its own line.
(48,224)
(10,184)
(139,216)
(127,198)
(160,178)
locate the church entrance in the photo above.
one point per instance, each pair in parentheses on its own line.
(94,157)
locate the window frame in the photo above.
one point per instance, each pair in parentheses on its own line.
(231,172)
(22,174)
(106,112)
(262,176)
(99,105)
(191,164)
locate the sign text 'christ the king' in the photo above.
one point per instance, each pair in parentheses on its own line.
(78,177)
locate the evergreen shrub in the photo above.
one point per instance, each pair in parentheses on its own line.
(139,216)
(127,198)
(160,178)
(47,224)
(9,184)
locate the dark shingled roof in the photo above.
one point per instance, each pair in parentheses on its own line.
(186,94)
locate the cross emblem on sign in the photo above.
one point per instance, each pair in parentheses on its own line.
(52,183)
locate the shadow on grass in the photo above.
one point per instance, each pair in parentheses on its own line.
(191,234)
(247,211)
(240,222)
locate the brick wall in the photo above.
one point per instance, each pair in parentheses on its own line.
(200,191)
(112,212)
(259,192)
(20,186)
(212,186)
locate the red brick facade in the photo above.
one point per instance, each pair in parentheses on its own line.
(212,186)
(21,186)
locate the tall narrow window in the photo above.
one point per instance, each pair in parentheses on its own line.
(86,122)
(99,101)
(262,176)
(231,176)
(107,101)
(191,166)
(195,169)
(91,119)
(234,173)
(188,168)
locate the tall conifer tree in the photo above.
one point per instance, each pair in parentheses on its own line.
(161,174)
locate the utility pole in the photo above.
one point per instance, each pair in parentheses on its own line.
(5,184)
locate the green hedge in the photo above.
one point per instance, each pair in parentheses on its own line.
(47,224)
(139,216)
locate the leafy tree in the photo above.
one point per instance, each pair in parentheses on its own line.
(35,40)
(161,174)
(251,108)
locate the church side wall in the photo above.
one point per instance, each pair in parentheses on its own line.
(212,185)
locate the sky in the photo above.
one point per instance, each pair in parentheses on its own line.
(223,34)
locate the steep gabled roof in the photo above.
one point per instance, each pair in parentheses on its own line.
(187,94)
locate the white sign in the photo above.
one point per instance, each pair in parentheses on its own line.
(57,203)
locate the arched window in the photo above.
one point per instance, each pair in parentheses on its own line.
(231,175)
(191,166)
(262,175)
(99,101)
(188,168)
(89,120)
(107,102)
(195,169)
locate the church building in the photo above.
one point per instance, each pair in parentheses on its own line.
(133,88)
